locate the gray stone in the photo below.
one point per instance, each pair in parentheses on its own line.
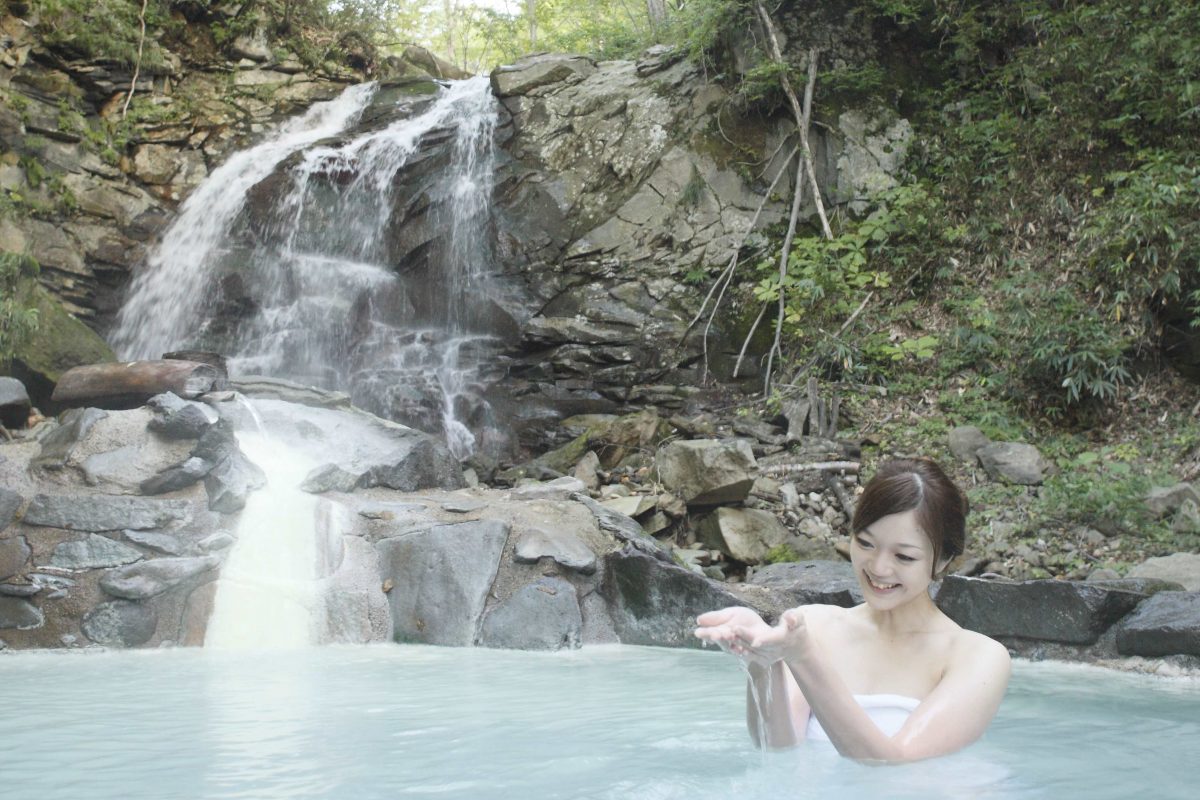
(104,512)
(707,471)
(756,428)
(62,441)
(463,506)
(563,547)
(1073,612)
(1165,500)
(19,613)
(427,464)
(652,602)
(1181,568)
(586,470)
(624,528)
(155,164)
(329,478)
(1166,624)
(557,489)
(162,542)
(120,623)
(634,505)
(966,441)
(19,589)
(218,541)
(149,578)
(94,552)
(745,534)
(230,483)
(177,477)
(14,555)
(532,72)
(543,615)
(441,578)
(10,504)
(178,418)
(805,582)
(14,403)
(1013,462)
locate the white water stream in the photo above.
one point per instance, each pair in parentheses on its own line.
(266,596)
(314,255)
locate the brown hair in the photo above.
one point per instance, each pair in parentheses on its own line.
(905,484)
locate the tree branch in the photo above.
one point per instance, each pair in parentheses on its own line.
(137,67)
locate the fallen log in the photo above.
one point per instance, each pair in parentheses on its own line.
(130,384)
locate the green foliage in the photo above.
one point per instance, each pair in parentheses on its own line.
(701,27)
(1144,242)
(102,30)
(1099,488)
(1057,340)
(781,554)
(17,322)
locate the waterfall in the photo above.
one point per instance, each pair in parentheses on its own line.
(266,595)
(296,259)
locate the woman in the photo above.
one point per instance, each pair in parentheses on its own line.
(893,679)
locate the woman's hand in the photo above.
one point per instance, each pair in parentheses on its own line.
(742,632)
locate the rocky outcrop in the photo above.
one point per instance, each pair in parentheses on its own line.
(1054,611)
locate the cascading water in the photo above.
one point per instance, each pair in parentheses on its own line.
(284,259)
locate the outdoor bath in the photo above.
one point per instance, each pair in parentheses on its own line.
(387,721)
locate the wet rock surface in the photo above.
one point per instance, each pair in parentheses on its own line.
(1166,624)
(1055,611)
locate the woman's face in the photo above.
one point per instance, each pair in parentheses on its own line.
(893,559)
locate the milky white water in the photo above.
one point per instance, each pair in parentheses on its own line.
(266,595)
(619,723)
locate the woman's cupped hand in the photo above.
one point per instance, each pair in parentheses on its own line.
(743,632)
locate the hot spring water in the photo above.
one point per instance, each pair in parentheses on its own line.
(624,723)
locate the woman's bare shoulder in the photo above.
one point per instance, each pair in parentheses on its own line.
(976,650)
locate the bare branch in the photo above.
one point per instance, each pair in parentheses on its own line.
(137,67)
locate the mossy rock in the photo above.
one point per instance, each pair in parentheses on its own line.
(60,343)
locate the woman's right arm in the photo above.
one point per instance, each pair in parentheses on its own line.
(776,711)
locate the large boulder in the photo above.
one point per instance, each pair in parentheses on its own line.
(120,623)
(1013,462)
(707,471)
(1166,624)
(104,512)
(542,615)
(146,579)
(745,534)
(560,546)
(440,580)
(655,603)
(357,450)
(1181,568)
(804,582)
(93,552)
(1056,611)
